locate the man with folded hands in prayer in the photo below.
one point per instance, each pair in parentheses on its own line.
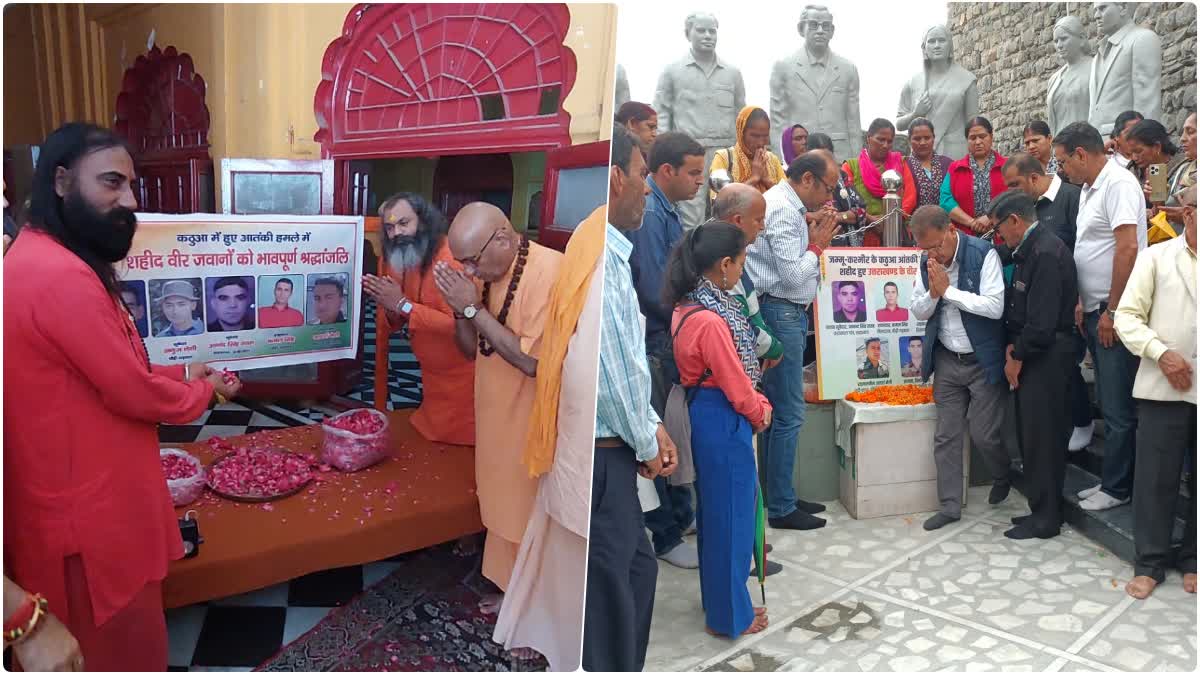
(500,328)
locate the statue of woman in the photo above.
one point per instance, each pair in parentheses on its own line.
(1067,92)
(944,92)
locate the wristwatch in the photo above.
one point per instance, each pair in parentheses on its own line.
(469,312)
(1112,314)
(404,307)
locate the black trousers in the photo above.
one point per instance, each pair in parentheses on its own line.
(622,570)
(1044,423)
(1166,436)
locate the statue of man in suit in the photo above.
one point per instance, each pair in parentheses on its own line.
(1126,70)
(817,88)
(700,95)
(622,91)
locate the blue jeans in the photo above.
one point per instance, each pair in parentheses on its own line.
(1115,372)
(784,387)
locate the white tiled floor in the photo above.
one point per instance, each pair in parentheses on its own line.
(885,595)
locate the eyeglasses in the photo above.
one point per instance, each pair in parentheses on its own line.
(474,260)
(827,26)
(942,242)
(828,188)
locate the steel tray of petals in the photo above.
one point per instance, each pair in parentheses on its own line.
(256,499)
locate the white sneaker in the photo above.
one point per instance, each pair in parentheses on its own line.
(1101,501)
(1084,494)
(684,555)
(1081,437)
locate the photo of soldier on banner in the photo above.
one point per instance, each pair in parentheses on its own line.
(246,292)
(865,332)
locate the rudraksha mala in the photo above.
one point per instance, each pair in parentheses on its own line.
(522,253)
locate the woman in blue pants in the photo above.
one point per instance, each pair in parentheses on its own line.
(714,349)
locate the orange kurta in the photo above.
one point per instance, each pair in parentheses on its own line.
(503,400)
(447,412)
(82,477)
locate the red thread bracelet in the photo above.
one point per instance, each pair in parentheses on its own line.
(25,619)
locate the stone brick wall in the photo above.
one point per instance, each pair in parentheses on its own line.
(1010,48)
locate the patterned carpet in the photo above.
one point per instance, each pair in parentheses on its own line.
(423,617)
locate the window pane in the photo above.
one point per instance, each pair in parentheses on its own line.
(579,192)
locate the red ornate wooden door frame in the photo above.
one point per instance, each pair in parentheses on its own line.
(161,111)
(416,79)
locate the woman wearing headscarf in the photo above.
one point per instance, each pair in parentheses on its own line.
(750,161)
(851,209)
(718,366)
(973,181)
(793,143)
(928,168)
(866,171)
(640,120)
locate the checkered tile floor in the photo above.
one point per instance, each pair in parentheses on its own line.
(240,632)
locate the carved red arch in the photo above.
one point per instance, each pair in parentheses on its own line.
(411,79)
(161,109)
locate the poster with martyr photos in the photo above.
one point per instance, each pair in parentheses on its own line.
(243,292)
(866,334)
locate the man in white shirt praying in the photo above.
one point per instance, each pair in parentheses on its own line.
(960,296)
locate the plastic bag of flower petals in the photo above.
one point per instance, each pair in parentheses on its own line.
(355,440)
(184,474)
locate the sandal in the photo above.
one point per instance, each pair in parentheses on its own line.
(758,625)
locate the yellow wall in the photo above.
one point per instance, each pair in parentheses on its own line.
(194,29)
(45,85)
(529,172)
(409,174)
(262,64)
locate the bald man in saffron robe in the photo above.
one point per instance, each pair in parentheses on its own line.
(500,301)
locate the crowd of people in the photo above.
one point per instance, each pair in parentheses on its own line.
(1029,262)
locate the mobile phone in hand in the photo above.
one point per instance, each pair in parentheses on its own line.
(1156,174)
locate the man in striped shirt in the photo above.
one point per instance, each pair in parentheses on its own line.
(630,439)
(785,264)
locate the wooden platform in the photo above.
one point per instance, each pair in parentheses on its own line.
(423,495)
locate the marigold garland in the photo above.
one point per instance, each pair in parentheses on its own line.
(894,394)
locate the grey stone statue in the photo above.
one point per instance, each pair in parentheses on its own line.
(817,88)
(622,93)
(700,95)
(943,92)
(1067,94)
(1126,70)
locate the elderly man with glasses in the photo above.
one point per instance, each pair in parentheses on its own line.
(959,294)
(500,328)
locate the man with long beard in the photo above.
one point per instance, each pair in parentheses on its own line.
(414,239)
(88,524)
(501,330)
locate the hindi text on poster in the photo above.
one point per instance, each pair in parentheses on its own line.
(245,292)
